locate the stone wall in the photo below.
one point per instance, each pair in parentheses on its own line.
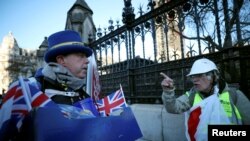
(158,125)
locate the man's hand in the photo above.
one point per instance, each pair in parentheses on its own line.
(167,83)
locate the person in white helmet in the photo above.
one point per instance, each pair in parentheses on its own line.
(206,81)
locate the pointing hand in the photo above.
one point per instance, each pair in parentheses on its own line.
(167,83)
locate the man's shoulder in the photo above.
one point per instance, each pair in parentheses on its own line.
(234,92)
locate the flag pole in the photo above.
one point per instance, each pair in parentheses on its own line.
(26,95)
(123,94)
(121,87)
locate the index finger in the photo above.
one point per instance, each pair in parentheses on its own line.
(164,75)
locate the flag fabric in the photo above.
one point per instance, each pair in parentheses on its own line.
(123,127)
(19,100)
(93,87)
(197,119)
(87,104)
(6,107)
(56,127)
(74,112)
(50,124)
(111,103)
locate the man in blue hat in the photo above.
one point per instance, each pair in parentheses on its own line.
(61,81)
(63,78)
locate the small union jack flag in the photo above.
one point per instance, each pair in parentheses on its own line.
(18,102)
(111,103)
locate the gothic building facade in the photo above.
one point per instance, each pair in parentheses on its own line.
(167,36)
(16,61)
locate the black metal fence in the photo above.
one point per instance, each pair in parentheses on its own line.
(142,84)
(175,33)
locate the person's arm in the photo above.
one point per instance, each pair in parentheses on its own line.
(243,105)
(175,105)
(171,103)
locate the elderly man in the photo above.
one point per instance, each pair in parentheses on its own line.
(62,79)
(208,87)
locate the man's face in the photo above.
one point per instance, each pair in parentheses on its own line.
(201,82)
(77,63)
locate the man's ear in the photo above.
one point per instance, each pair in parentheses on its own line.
(60,59)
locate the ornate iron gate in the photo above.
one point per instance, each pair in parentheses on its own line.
(139,74)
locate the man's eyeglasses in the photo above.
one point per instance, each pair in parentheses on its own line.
(197,75)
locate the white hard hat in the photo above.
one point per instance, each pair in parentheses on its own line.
(203,65)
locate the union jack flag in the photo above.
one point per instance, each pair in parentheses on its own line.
(18,102)
(111,103)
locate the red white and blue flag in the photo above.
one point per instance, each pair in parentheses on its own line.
(209,111)
(111,103)
(93,87)
(21,97)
